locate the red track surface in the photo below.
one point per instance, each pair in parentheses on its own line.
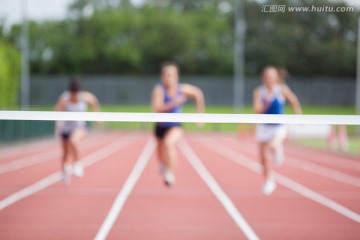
(188,210)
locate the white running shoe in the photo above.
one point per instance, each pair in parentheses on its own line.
(169,178)
(78,170)
(279,156)
(269,187)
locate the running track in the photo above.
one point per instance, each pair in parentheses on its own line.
(216,196)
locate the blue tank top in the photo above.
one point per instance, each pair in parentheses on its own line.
(277,104)
(177,109)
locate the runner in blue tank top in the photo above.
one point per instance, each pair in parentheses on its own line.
(71,132)
(168,97)
(270,98)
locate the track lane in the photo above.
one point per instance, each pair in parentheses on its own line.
(326,185)
(283,210)
(126,190)
(25,150)
(305,217)
(19,150)
(71,212)
(346,163)
(11,182)
(187,210)
(47,155)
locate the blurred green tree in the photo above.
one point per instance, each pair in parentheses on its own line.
(116,37)
(9,75)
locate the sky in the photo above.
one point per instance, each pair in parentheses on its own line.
(12,10)
(54,9)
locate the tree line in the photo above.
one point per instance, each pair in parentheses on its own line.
(117,37)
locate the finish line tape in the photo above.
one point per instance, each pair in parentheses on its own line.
(180,117)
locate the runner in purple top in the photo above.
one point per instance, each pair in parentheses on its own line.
(168,97)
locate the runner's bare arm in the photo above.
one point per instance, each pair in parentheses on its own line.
(60,104)
(292,98)
(196,94)
(92,100)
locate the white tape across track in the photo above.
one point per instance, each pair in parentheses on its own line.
(180,117)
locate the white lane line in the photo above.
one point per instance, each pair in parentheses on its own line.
(38,158)
(289,183)
(217,191)
(38,145)
(126,190)
(323,171)
(309,166)
(29,161)
(330,159)
(54,178)
(337,161)
(296,187)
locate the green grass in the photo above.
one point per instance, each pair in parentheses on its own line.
(332,110)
